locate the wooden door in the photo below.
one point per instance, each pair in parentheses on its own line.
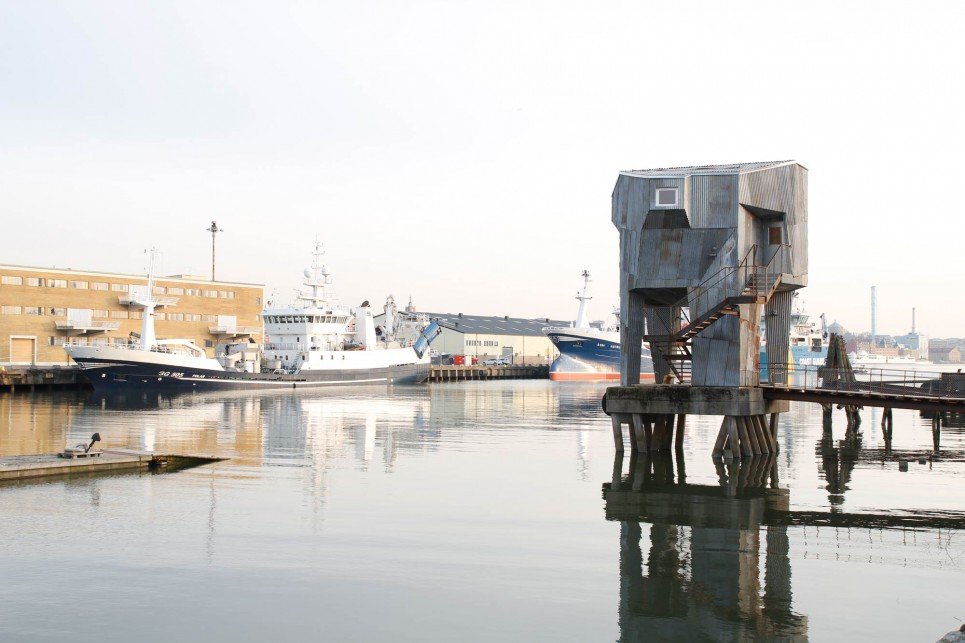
(22,350)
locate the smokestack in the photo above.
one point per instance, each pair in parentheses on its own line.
(913,320)
(874,315)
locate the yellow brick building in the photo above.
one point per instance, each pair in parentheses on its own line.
(41,308)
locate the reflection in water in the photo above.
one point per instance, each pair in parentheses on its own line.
(702,579)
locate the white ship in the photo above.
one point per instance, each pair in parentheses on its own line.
(319,344)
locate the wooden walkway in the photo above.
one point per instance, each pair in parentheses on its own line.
(887,388)
(31,467)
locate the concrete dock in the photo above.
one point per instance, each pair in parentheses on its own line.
(29,467)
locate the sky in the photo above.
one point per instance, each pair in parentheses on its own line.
(464,153)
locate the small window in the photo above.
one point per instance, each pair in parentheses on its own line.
(119,287)
(666,197)
(33,310)
(98,285)
(36,281)
(8,280)
(10,310)
(160,290)
(208,343)
(175,291)
(79,285)
(774,236)
(119,314)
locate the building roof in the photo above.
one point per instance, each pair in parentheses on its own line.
(99,273)
(489,325)
(731,168)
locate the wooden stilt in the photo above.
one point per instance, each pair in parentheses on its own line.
(648,428)
(681,423)
(721,437)
(617,474)
(745,440)
(639,433)
(733,438)
(616,420)
(751,433)
(765,432)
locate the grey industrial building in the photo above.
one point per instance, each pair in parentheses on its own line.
(518,339)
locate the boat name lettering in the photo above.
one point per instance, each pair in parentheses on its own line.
(170,374)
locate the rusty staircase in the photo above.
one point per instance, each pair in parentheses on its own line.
(720,294)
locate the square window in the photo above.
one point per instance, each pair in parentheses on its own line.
(666,197)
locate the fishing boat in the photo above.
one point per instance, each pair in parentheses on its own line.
(316,344)
(590,350)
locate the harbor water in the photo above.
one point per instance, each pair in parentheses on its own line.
(469,511)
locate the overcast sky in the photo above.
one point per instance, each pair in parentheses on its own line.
(465,152)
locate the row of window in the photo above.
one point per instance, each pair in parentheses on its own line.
(306,319)
(44,282)
(481,342)
(106,314)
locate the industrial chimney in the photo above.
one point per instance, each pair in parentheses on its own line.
(874,315)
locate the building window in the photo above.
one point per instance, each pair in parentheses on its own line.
(175,291)
(57,283)
(666,197)
(175,316)
(257,301)
(98,285)
(209,318)
(209,343)
(227,294)
(33,310)
(211,293)
(120,287)
(119,314)
(160,290)
(58,312)
(194,292)
(10,310)
(36,281)
(8,280)
(136,314)
(55,341)
(79,285)
(99,313)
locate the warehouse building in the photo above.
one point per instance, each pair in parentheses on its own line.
(519,340)
(42,308)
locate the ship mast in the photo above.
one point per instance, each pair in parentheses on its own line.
(581,321)
(148,302)
(316,278)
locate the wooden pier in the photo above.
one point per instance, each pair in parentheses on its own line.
(32,467)
(33,378)
(479,372)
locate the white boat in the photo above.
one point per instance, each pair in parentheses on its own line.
(318,344)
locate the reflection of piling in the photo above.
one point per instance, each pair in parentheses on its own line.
(712,590)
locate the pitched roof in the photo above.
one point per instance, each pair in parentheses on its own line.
(491,325)
(731,168)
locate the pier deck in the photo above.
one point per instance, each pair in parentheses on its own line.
(29,467)
(479,372)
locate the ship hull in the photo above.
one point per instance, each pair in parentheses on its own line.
(118,370)
(590,357)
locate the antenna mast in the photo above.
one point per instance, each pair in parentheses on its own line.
(214,229)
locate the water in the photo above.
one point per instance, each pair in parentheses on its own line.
(471,512)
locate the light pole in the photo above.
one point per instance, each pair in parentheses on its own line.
(214,229)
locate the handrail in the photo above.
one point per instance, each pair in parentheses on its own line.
(895,381)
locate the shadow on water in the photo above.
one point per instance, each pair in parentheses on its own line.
(713,562)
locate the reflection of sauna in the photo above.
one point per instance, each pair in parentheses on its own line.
(700,578)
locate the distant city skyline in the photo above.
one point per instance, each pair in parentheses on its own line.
(464,154)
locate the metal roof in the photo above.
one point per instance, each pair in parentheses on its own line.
(732,168)
(488,325)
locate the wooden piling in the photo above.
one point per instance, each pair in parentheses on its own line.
(616,420)
(681,423)
(639,433)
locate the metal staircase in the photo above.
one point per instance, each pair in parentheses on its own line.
(720,294)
